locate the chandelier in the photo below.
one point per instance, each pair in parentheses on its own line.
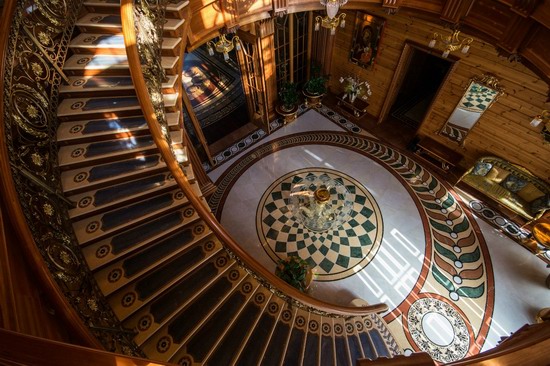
(451,43)
(331,21)
(224,45)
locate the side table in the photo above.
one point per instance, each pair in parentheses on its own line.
(358,108)
(438,155)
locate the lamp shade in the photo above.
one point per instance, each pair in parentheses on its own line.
(332,9)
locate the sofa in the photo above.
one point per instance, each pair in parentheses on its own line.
(510,185)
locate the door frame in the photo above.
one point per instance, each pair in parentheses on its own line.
(401,71)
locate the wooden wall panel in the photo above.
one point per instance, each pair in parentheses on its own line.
(23,306)
(504,130)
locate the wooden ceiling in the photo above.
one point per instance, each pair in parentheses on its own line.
(516,27)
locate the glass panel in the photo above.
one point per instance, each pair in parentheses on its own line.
(282,49)
(300,47)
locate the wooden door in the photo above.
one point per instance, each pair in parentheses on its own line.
(254,83)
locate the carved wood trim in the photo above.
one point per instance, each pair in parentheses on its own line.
(515,34)
(525,7)
(454,10)
(280,7)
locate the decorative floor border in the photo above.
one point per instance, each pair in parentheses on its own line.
(259,134)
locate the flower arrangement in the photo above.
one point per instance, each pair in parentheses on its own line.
(356,88)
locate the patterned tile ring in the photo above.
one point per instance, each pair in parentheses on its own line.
(436,327)
(333,254)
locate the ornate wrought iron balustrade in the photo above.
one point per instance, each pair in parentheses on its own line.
(36,48)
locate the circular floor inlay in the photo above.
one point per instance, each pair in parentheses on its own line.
(438,329)
(334,254)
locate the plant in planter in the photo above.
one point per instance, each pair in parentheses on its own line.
(288,96)
(315,88)
(295,271)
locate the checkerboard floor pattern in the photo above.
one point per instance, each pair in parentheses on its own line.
(333,254)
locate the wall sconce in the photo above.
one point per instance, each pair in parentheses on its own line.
(543,117)
(224,45)
(331,21)
(451,43)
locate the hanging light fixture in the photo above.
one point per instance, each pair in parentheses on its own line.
(451,43)
(331,21)
(224,45)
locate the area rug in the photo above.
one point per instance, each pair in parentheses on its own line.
(447,312)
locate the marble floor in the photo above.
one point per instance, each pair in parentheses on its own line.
(454,283)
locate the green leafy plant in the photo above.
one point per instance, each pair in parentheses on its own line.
(316,85)
(288,95)
(294,271)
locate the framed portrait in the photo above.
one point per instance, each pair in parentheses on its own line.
(366,39)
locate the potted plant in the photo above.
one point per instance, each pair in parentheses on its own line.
(315,88)
(288,98)
(295,271)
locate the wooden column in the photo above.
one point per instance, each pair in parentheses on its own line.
(265,30)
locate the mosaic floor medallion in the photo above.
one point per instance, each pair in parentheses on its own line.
(335,253)
(437,328)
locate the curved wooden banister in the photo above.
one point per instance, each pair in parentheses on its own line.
(10,197)
(130,40)
(22,349)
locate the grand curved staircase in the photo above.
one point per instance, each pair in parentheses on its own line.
(165,274)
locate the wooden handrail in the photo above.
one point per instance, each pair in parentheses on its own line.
(130,40)
(22,349)
(9,195)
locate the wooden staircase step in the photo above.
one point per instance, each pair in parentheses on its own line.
(221,327)
(103,199)
(344,357)
(221,301)
(295,345)
(107,107)
(187,273)
(96,86)
(276,349)
(109,223)
(119,246)
(131,268)
(258,340)
(113,44)
(174,8)
(209,282)
(111,23)
(91,152)
(91,65)
(83,179)
(81,131)
(235,339)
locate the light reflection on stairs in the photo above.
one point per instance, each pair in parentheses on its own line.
(164,273)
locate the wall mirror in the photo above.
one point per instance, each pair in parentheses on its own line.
(478,97)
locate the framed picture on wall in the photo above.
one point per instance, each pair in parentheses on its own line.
(366,39)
